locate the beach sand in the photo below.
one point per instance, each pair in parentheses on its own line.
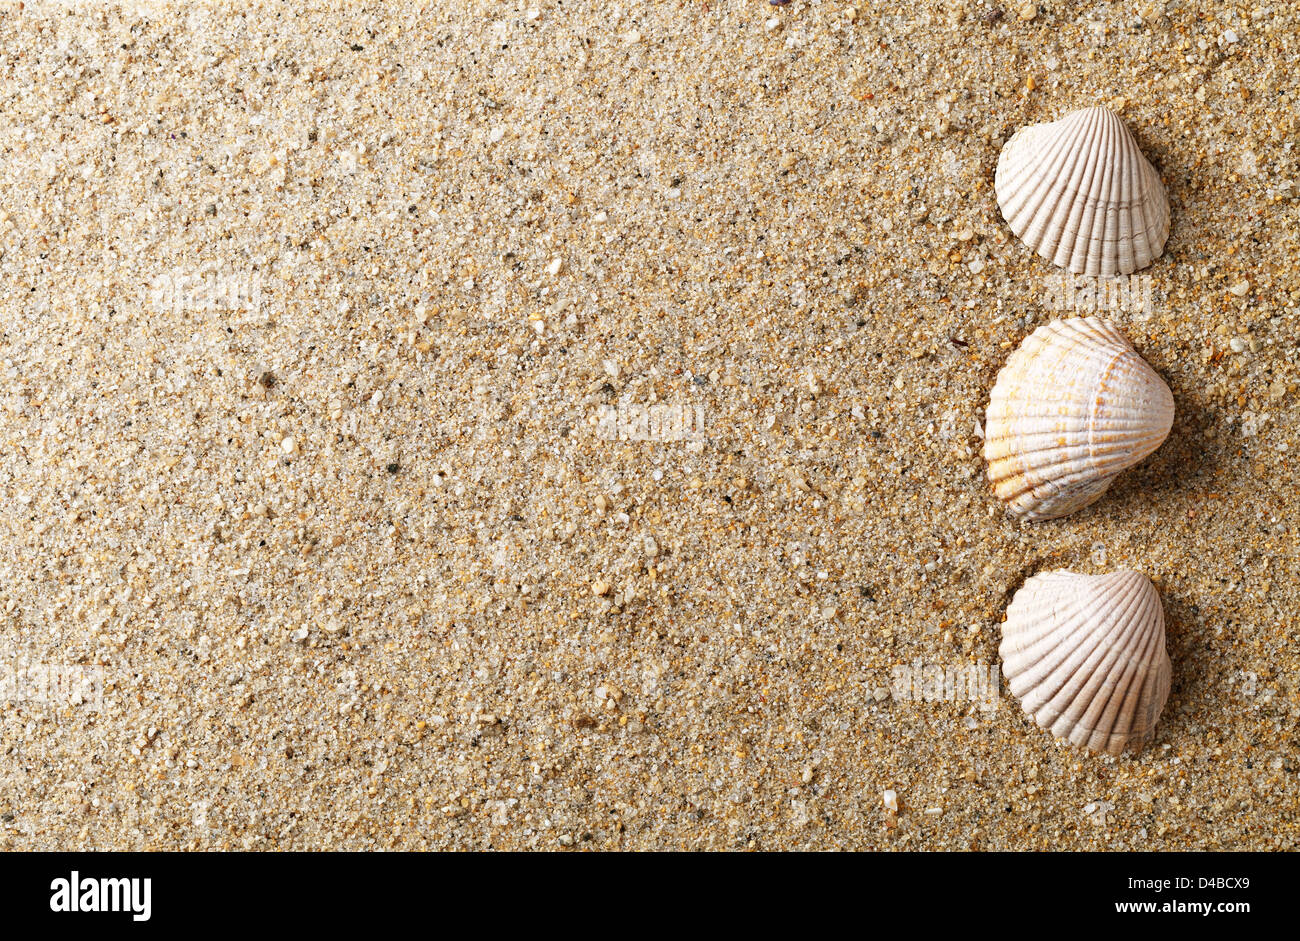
(328,341)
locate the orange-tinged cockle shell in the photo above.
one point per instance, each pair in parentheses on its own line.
(1072,407)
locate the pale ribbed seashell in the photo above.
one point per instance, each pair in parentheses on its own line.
(1085,655)
(1079,192)
(1072,407)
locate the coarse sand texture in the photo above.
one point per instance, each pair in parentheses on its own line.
(465,425)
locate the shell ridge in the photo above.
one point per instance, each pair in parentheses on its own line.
(1098,403)
(1092,225)
(1143,720)
(1082,209)
(1126,698)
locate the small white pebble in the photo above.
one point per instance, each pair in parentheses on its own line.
(1241,288)
(891,801)
(289,445)
(555,267)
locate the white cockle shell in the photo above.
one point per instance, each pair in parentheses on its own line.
(1085,655)
(1072,407)
(1079,192)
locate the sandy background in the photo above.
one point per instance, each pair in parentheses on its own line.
(348,547)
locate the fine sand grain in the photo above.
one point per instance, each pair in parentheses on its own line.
(329,339)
